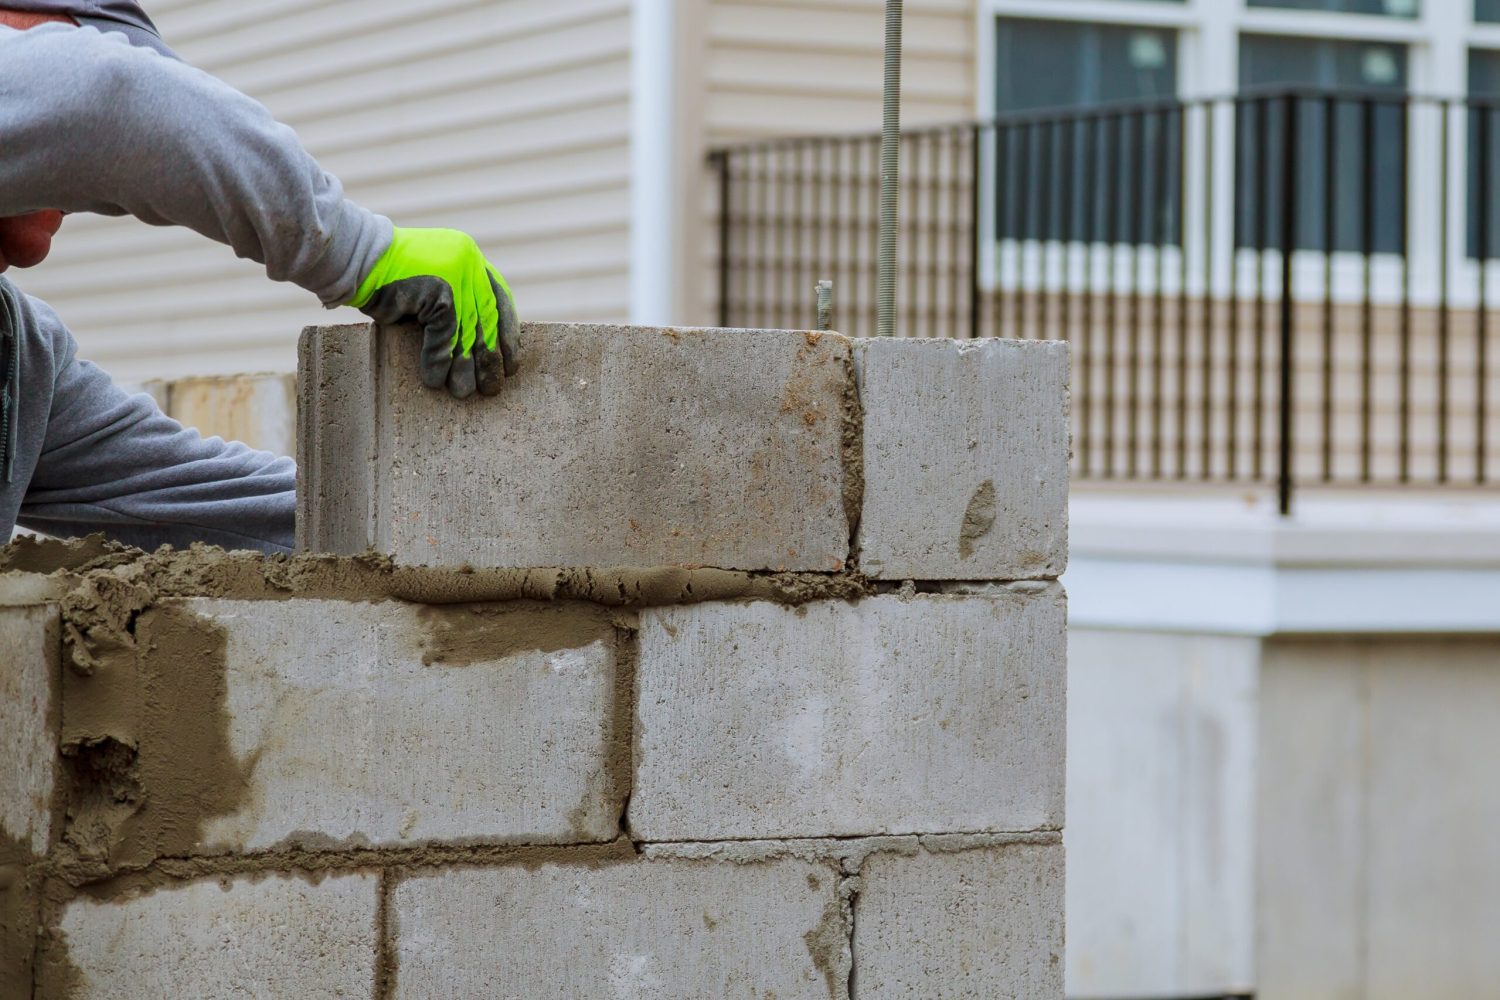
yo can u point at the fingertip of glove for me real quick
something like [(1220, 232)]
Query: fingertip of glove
[(461, 379), (490, 371)]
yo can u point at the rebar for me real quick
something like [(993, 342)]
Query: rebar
[(890, 171)]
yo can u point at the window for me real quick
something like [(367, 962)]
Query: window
[(1060, 64), (1389, 8), (1487, 10), (1362, 146), (1132, 164), (1484, 153)]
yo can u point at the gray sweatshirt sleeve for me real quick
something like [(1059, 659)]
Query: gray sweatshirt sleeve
[(95, 458), (92, 124)]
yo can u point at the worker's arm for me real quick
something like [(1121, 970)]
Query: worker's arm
[(91, 124), (112, 462)]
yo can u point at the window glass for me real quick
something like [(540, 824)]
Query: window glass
[(1487, 10), (1484, 153), (1109, 179), (1356, 135), (1389, 8), (1061, 64)]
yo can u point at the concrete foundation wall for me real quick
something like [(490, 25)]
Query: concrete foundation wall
[(704, 776), (1379, 863), (1299, 817)]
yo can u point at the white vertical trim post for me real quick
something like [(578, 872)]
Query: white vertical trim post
[(654, 209)]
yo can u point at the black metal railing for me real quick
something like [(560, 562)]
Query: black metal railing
[(1284, 288)]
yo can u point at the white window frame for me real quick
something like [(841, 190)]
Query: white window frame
[(1437, 41)]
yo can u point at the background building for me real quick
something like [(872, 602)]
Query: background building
[(1281, 727)]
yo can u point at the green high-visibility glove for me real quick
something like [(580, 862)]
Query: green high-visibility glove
[(440, 279)]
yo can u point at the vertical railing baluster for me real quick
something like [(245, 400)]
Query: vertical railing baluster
[(1286, 453), (976, 227), (954, 147), (1367, 329), (1025, 207), (1179, 192), (1481, 366), (721, 170), (1004, 227), (1445, 110), (1135, 197), (1210, 114), (1066, 141), (1262, 243), (1330, 238), (934, 231), (911, 207), (1403, 461), (1111, 368), (1045, 138), (1157, 232), (1232, 345), (763, 241), (1083, 360)]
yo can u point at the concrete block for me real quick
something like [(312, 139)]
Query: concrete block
[(278, 935), (29, 678), (668, 930), (972, 925), (389, 724), (260, 410), (928, 714), (965, 459), (614, 446)]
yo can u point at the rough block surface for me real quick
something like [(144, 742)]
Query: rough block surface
[(965, 459), (614, 446), (929, 714), (388, 724), (28, 727), (668, 930), (973, 925), (269, 936)]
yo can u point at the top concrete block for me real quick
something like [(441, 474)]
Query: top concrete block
[(965, 459), (624, 446)]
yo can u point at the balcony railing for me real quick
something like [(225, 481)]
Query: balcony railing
[(1286, 289)]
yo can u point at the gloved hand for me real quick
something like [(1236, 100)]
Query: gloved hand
[(439, 277)]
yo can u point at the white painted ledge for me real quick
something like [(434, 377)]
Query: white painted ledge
[(1376, 563)]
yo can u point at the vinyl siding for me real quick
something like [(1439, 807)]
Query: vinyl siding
[(815, 67), (506, 118), (791, 67)]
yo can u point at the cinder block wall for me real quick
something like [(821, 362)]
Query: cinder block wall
[(696, 664)]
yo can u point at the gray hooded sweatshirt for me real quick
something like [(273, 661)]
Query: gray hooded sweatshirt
[(91, 123)]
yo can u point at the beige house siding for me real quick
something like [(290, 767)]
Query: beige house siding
[(814, 66), (759, 69), (507, 118)]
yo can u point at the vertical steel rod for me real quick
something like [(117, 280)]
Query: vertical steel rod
[(890, 167)]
